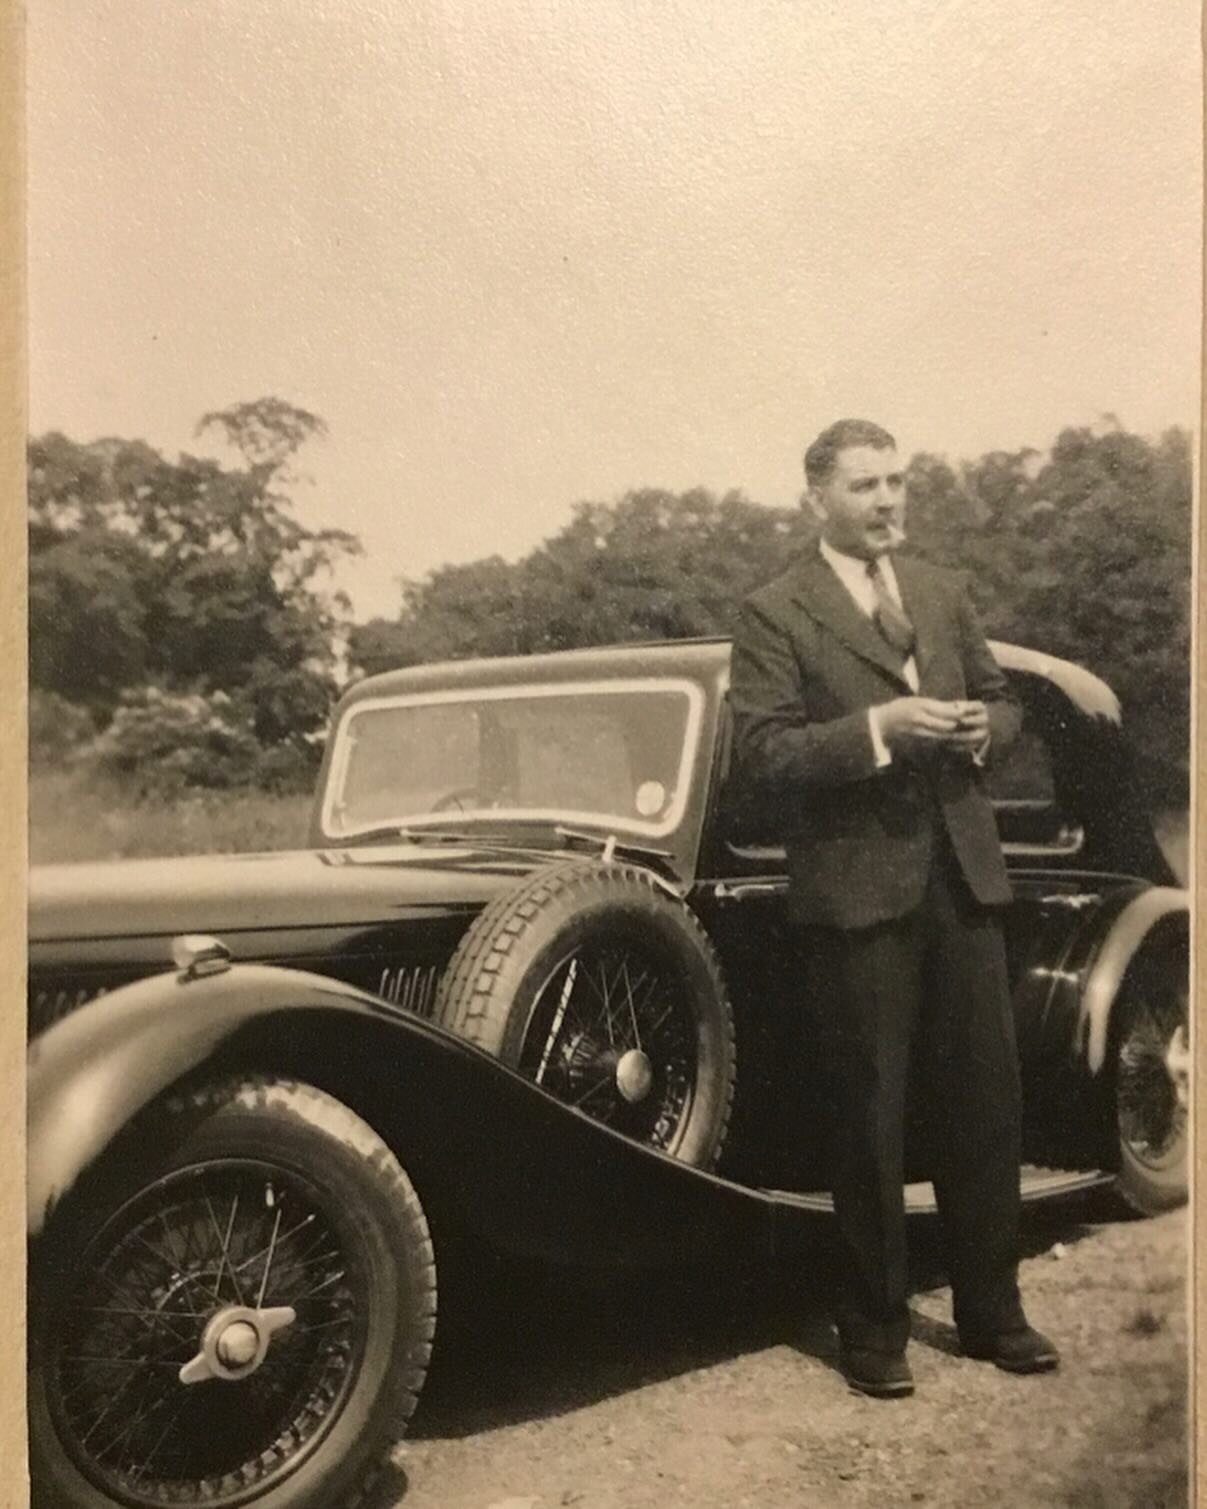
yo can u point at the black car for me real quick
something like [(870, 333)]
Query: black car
[(525, 988)]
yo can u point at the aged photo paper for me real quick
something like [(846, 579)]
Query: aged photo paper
[(486, 292), (12, 760)]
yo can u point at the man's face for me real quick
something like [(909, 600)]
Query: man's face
[(861, 505)]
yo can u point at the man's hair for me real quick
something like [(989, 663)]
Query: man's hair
[(842, 435)]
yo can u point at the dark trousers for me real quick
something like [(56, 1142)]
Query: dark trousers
[(928, 994)]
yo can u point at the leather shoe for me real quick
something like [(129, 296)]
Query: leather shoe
[(1023, 1350), (883, 1375)]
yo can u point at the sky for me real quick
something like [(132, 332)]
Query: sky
[(524, 253)]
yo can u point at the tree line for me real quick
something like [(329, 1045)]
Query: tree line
[(180, 628)]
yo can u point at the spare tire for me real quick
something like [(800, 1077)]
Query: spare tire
[(594, 981)]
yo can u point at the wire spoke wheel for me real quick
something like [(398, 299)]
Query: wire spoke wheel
[(1152, 1095), (599, 985), (203, 1241), (238, 1311), (612, 1032), (1153, 1078)]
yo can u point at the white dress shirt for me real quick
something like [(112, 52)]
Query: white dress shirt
[(852, 572)]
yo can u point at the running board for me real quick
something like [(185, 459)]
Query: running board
[(1034, 1184)]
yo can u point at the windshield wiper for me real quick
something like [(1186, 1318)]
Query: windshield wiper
[(404, 835), (474, 838), (611, 843)]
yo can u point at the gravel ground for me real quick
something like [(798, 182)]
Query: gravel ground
[(721, 1390)]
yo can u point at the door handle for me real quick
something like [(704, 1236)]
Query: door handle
[(740, 890)]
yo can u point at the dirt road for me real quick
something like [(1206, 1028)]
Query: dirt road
[(720, 1391)]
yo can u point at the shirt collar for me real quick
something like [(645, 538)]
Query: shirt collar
[(854, 568)]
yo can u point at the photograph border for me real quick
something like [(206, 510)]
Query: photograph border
[(13, 835)]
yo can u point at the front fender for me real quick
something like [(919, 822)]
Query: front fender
[(493, 1154), (1157, 907), (91, 1073)]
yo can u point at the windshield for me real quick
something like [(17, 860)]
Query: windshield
[(612, 754)]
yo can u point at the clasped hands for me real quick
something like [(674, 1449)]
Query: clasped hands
[(919, 723)]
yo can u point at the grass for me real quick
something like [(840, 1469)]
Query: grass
[(74, 816), (77, 816)]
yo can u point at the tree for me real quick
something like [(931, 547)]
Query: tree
[(653, 565), (1084, 553), (187, 574), (86, 617)]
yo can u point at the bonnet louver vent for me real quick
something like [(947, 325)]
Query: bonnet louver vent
[(46, 1006)]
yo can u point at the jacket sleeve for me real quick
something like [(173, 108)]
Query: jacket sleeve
[(986, 682), (776, 743)]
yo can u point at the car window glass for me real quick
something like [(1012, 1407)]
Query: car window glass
[(1024, 772), (620, 753), (578, 757), (1021, 784), (436, 746)]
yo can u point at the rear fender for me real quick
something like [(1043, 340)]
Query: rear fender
[(1155, 915), (91, 1073)]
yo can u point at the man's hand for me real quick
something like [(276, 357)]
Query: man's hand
[(972, 731), (925, 722), (915, 721)]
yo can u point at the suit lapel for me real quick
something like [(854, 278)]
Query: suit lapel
[(820, 593)]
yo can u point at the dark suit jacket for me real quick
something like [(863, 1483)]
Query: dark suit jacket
[(807, 664)]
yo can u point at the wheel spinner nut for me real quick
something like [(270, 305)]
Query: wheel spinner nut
[(238, 1344), (634, 1075), (235, 1342)]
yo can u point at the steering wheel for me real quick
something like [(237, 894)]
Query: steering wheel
[(458, 799)]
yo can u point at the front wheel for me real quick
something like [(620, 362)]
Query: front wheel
[(238, 1310), (1152, 1091)]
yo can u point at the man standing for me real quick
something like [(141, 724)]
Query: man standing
[(865, 702)]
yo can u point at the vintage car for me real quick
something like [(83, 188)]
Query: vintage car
[(528, 988)]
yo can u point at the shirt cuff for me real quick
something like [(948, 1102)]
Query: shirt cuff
[(881, 751)]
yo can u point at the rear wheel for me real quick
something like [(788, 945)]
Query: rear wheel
[(238, 1311), (599, 986), (1152, 1091)]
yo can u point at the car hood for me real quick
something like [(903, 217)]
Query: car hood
[(249, 892)]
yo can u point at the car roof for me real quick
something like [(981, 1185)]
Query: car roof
[(699, 659), (696, 659)]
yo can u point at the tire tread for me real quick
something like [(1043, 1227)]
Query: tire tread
[(471, 998)]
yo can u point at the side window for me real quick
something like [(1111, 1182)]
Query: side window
[(1023, 790), (1024, 774)]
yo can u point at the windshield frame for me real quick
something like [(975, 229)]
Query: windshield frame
[(517, 691)]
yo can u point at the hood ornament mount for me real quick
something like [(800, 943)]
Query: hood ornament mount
[(198, 954)]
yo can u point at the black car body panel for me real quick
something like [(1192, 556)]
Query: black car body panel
[(494, 1155), (374, 917)]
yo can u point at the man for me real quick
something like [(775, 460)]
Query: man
[(865, 702)]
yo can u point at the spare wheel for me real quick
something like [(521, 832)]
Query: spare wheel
[(596, 983)]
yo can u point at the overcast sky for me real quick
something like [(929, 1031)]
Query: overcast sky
[(526, 252)]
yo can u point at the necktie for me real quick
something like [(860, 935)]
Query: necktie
[(891, 620)]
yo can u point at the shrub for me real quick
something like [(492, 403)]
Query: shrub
[(58, 729), (163, 741)]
